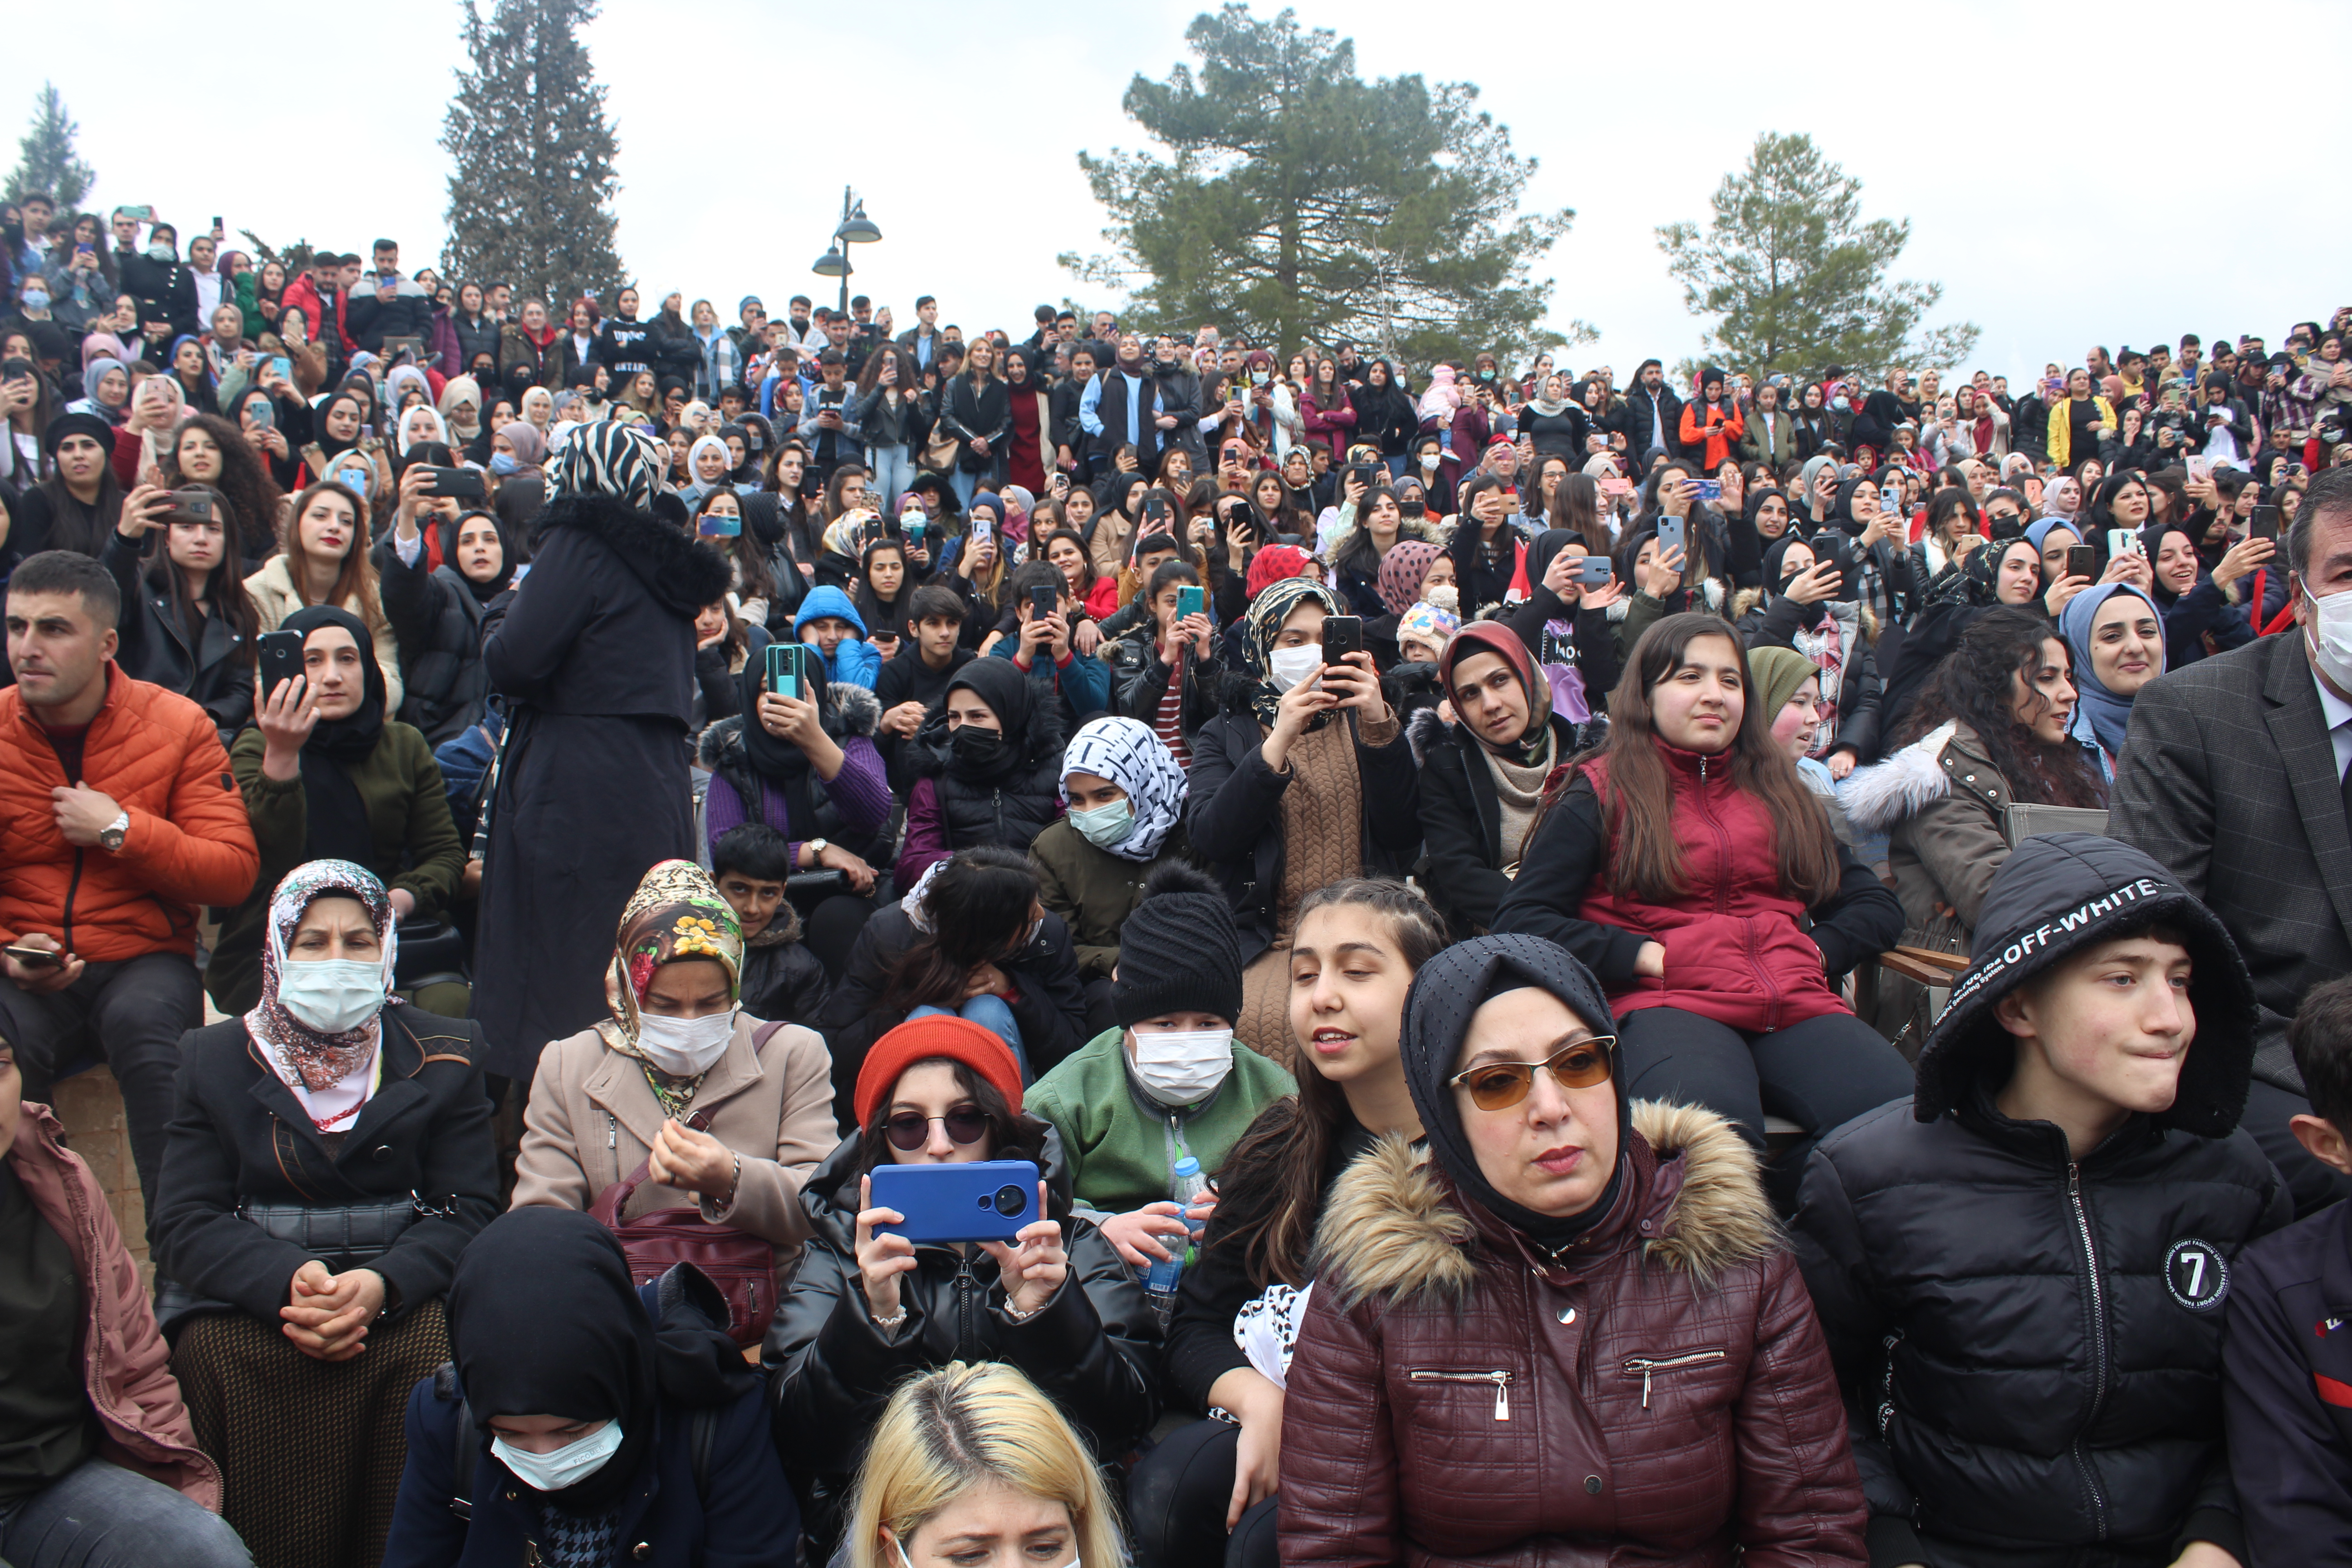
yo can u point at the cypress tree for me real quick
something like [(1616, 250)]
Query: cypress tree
[(47, 164)]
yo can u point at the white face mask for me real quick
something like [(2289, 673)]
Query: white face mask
[(2329, 637), (1287, 667), (576, 1461), (1181, 1066), (333, 996), (684, 1048)]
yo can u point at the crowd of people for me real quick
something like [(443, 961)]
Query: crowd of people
[(1751, 971)]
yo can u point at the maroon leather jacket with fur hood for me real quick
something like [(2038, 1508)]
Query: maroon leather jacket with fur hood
[(1661, 1396), (126, 1366)]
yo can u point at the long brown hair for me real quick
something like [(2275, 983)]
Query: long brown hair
[(1644, 859), (355, 586), (1271, 1183)]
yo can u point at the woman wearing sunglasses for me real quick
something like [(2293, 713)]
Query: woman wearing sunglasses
[(1691, 869), (1580, 1335), (867, 1310)]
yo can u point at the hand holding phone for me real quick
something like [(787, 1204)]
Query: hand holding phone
[(1342, 635)]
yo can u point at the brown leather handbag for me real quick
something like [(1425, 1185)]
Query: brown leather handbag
[(742, 1265)]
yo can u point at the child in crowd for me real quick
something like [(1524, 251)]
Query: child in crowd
[(780, 979), (2020, 1270), (1168, 1081), (829, 622), (2286, 1363), (909, 686), (1125, 793)]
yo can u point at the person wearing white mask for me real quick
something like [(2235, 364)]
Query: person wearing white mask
[(1312, 780), (1169, 1081), (330, 1157), (706, 1106)]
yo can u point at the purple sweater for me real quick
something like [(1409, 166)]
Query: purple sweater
[(860, 793)]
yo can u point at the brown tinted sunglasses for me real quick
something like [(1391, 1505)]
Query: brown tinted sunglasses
[(1498, 1086)]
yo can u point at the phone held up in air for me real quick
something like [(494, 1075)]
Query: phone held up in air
[(457, 484), (782, 674), (2123, 541), (1594, 572), (2263, 523), (2082, 561), (1190, 600), (1342, 635), (1670, 534), (1043, 602), (985, 1200), (280, 658)]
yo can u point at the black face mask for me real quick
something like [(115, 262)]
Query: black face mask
[(977, 750)]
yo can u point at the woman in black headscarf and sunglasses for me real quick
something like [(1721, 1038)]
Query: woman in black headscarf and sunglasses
[(1572, 1288)]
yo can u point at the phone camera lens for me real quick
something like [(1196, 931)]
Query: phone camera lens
[(1010, 1200)]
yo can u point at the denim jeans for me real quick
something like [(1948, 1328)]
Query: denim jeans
[(967, 484), (994, 1015), (892, 470), (100, 1515)]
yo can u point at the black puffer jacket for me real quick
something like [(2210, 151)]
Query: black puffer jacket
[(1093, 1347), (2030, 1345), (1010, 810), (1139, 682), (437, 623), (216, 673)]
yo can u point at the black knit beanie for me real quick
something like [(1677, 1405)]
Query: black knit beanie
[(1177, 952)]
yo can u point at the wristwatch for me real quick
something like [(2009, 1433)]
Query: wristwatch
[(817, 848), (111, 837)]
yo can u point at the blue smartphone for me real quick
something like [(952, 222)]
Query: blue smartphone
[(985, 1200), (718, 525), (783, 668), (1670, 534), (1710, 490), (1189, 601)]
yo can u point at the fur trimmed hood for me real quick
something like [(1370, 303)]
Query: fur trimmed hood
[(679, 573), (1878, 797), (849, 710), (1394, 1233)]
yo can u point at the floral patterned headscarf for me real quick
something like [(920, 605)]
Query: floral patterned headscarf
[(311, 1063), (1262, 623), (677, 913)]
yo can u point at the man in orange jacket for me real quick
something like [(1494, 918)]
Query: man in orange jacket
[(119, 817)]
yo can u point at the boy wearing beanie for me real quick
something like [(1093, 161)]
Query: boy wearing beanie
[(2286, 1366), (1170, 1080), (2021, 1270)]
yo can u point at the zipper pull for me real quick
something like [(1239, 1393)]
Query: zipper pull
[(1503, 1396), (2074, 1179), (1645, 1385)]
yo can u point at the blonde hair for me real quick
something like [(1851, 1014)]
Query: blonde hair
[(973, 1424)]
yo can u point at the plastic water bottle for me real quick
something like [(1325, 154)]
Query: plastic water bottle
[(1160, 1279)]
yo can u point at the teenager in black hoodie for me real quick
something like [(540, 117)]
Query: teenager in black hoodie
[(913, 682)]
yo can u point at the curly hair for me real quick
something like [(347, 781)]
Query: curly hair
[(1979, 685)]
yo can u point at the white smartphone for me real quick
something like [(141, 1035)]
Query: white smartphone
[(2125, 542)]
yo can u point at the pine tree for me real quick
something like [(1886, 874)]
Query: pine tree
[(1796, 281), (1305, 205), (46, 163), (531, 190)]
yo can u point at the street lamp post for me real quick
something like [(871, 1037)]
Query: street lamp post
[(855, 229)]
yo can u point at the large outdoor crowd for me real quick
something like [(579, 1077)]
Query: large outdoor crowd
[(1734, 967)]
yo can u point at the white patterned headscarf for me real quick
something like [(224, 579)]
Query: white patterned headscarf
[(618, 460), (1126, 752)]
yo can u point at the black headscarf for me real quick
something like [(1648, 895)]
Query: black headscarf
[(545, 1321), (328, 445), (483, 591), (1014, 700), (1549, 543), (1776, 577), (1445, 993), (774, 759), (338, 827)]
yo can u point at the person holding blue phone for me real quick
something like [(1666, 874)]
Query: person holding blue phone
[(869, 1307)]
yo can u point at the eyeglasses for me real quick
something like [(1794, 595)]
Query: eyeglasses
[(1498, 1086), (911, 1130)]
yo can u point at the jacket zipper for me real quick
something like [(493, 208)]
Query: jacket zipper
[(2098, 1342), (1000, 816), (73, 887), (1648, 1365), (1723, 903), (965, 1284), (1499, 1377)]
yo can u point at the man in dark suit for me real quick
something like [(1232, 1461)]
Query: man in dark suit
[(2233, 775)]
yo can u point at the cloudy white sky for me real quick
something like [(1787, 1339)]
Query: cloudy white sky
[(2053, 216)]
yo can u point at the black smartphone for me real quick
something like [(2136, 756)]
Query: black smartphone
[(34, 957), (1155, 509), (2083, 561), (459, 484), (1043, 602), (871, 533), (280, 656), (2263, 523), (1342, 635)]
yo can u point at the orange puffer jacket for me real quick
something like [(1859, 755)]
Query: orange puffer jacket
[(189, 843)]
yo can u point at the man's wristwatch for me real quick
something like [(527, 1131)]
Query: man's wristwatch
[(817, 848), (111, 837)]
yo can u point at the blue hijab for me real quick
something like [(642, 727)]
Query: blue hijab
[(2039, 532), (2100, 716)]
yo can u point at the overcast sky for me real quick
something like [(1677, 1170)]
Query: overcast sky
[(2053, 218)]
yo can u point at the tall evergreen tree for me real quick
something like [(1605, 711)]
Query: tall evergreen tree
[(47, 161), (532, 186), (1796, 281), (1305, 205)]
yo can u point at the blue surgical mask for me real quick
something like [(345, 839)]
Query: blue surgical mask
[(36, 298), (503, 463), (572, 1463), (332, 996), (1106, 825)]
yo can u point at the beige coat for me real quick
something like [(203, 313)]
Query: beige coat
[(593, 1117), (271, 589)]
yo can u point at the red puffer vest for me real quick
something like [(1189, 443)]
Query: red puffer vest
[(1736, 950)]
